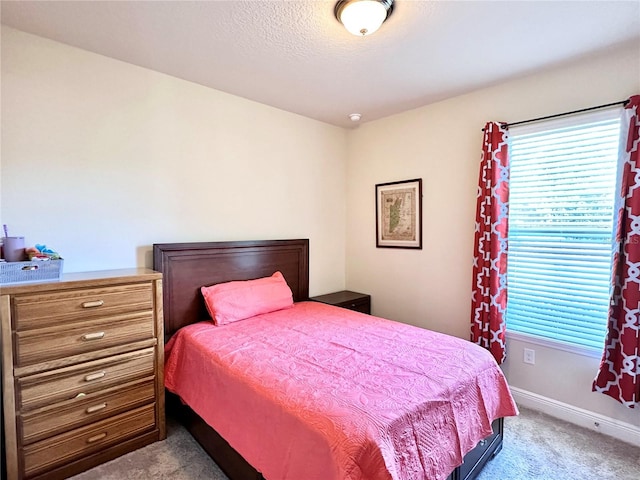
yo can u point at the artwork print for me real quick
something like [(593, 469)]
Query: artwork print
[(399, 214)]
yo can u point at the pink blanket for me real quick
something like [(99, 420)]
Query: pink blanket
[(317, 392)]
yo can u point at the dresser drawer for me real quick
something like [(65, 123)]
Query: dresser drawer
[(61, 417), (66, 383), (61, 449), (41, 310), (60, 341)]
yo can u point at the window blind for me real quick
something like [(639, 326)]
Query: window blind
[(562, 184)]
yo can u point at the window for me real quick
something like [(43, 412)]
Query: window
[(562, 184)]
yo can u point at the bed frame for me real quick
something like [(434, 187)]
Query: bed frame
[(186, 267)]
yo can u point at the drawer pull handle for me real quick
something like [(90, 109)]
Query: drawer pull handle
[(80, 395), (93, 336), (97, 303), (94, 376), (95, 438), (96, 408)]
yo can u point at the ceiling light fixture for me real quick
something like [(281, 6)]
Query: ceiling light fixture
[(363, 17)]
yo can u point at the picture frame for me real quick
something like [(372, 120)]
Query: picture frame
[(399, 214)]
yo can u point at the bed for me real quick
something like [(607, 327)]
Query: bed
[(186, 267)]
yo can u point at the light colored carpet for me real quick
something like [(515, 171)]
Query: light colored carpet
[(536, 446)]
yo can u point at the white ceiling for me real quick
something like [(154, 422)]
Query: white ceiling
[(294, 55)]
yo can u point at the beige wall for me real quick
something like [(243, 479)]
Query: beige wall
[(440, 143), (101, 159)]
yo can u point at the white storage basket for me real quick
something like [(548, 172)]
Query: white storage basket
[(32, 271)]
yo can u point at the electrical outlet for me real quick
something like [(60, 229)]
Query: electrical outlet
[(529, 356)]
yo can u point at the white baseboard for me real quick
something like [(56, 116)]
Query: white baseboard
[(578, 416)]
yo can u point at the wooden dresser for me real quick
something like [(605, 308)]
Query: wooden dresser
[(82, 370)]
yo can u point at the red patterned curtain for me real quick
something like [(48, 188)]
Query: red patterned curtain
[(489, 291), (619, 373)]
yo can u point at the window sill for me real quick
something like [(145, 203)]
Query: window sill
[(555, 344)]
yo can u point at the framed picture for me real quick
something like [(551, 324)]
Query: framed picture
[(399, 214)]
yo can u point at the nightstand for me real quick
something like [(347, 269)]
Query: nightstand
[(359, 302)]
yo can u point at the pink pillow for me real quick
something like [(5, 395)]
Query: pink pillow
[(232, 301)]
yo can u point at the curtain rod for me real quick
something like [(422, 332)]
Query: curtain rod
[(522, 122)]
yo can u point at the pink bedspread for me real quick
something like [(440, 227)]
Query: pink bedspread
[(317, 392)]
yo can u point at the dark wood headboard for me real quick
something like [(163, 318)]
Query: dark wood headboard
[(186, 267)]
